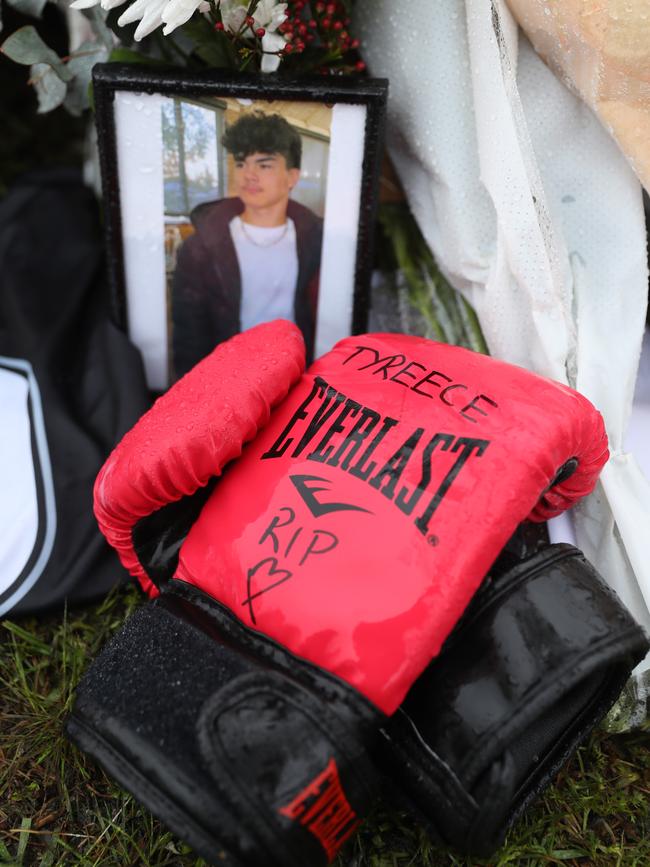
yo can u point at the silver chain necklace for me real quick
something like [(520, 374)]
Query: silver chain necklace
[(268, 243)]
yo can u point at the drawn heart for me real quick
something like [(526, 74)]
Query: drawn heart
[(271, 572)]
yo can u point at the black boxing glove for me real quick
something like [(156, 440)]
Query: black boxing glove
[(325, 569), (539, 657)]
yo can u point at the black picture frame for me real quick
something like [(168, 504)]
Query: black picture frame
[(130, 85)]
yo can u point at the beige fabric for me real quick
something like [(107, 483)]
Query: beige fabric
[(601, 49)]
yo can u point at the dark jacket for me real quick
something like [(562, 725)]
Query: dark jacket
[(206, 288)]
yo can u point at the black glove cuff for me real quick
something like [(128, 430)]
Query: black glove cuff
[(247, 763), (536, 661)]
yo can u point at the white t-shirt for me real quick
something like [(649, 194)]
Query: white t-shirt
[(268, 264)]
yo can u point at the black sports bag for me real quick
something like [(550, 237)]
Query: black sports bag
[(70, 385)]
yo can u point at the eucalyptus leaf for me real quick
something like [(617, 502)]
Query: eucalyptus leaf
[(97, 18), (81, 64), (28, 7), (50, 90), (26, 46)]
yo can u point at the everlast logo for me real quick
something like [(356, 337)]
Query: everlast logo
[(347, 435), (323, 808)]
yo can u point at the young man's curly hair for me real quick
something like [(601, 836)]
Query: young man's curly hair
[(261, 133)]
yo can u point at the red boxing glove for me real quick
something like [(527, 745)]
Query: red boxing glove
[(326, 568), (194, 430), (357, 525)]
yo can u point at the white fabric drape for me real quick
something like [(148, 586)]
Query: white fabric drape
[(534, 214)]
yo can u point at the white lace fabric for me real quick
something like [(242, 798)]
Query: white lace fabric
[(533, 212)]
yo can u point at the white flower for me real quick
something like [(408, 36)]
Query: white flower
[(151, 14), (233, 13), (147, 12), (269, 15), (177, 12), (105, 4), (271, 44)]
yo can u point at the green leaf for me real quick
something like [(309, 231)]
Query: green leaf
[(211, 46), (50, 90), (128, 55), (28, 7), (26, 46), (48, 859), (23, 839), (81, 64), (32, 641)]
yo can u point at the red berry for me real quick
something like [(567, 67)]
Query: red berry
[(338, 25), (312, 24), (355, 43), (260, 32), (288, 48), (249, 20), (309, 37), (219, 26), (302, 29), (330, 8), (326, 23), (320, 8), (360, 66)]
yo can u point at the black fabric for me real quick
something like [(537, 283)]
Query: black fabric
[(226, 746), (540, 655), (158, 537), (85, 380)]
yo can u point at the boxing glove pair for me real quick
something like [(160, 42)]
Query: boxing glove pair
[(311, 540)]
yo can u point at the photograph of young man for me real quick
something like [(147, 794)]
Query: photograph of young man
[(254, 256)]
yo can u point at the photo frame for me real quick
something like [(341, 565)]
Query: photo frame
[(212, 226)]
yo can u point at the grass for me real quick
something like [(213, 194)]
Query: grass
[(57, 808)]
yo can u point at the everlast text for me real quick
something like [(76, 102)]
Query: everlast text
[(347, 435)]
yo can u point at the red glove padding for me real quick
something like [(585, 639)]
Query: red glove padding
[(357, 525), (194, 430)]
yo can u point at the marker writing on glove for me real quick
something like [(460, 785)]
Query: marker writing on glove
[(402, 373), (318, 542)]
